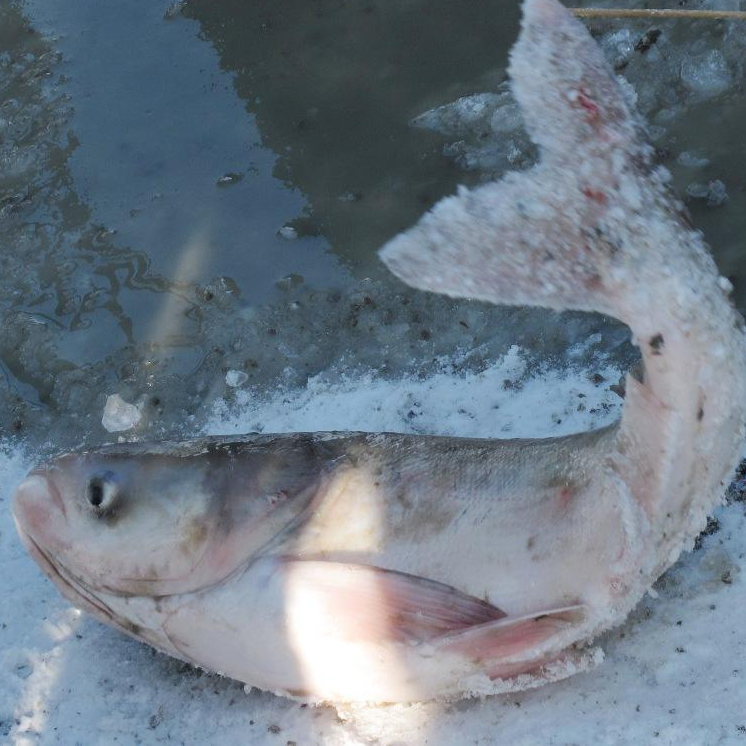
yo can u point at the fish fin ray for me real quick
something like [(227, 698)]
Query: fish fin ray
[(519, 241), (516, 645), (363, 601)]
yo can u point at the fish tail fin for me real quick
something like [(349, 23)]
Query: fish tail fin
[(538, 237)]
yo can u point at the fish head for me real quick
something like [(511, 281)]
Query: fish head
[(121, 524), (157, 519)]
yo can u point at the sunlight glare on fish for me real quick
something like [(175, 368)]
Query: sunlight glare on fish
[(351, 522)]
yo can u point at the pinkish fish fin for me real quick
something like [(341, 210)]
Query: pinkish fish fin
[(367, 602), (540, 237), (515, 645), (570, 98), (517, 242)]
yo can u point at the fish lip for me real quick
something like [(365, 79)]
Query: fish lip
[(51, 486), (79, 594)]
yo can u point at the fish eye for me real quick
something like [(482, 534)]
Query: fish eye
[(102, 491)]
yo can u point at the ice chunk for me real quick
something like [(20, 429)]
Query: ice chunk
[(229, 179), (236, 378), (506, 118), (618, 47), (691, 160), (706, 75), (714, 192), (288, 233), (119, 415), (467, 115)]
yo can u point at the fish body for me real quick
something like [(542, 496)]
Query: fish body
[(386, 567)]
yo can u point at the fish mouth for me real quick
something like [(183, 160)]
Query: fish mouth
[(72, 588), (41, 474)]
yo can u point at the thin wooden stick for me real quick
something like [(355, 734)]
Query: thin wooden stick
[(658, 13)]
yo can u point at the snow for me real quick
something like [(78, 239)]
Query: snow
[(674, 672)]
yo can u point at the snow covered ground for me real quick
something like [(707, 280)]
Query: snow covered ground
[(674, 673)]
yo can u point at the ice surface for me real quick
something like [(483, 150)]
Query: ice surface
[(671, 675)]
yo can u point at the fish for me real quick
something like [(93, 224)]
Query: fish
[(383, 567)]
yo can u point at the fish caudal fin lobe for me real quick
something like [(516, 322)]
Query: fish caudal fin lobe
[(538, 238), (595, 226)]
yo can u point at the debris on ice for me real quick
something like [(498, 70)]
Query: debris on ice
[(119, 415), (236, 378)]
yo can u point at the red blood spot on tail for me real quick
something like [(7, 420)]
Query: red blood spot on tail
[(593, 113), (565, 495), (596, 195)]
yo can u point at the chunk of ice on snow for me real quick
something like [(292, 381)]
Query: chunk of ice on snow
[(236, 378), (119, 415), (714, 192), (707, 74)]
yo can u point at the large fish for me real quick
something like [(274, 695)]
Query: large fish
[(384, 567)]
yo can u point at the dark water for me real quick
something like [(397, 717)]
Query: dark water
[(187, 189)]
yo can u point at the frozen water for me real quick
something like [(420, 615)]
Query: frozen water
[(119, 415), (707, 75), (714, 193)]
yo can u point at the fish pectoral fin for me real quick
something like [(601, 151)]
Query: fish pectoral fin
[(515, 645), (364, 602)]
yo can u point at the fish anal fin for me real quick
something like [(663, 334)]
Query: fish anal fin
[(515, 645), (363, 602)]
